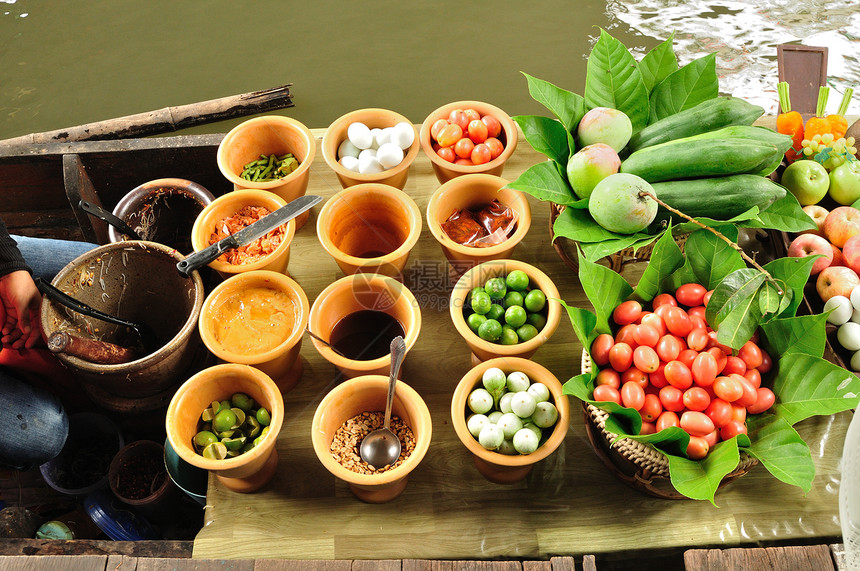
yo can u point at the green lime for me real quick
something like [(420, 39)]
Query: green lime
[(517, 280), (475, 320), (513, 298), (476, 290), (526, 332), (263, 417), (509, 336), (481, 302), (515, 316), (234, 443), (496, 288), (535, 300), (490, 330), (241, 401), (224, 420), (536, 319), (204, 438), (496, 312), (215, 451)]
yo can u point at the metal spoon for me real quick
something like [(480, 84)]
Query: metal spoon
[(382, 447), (109, 217)]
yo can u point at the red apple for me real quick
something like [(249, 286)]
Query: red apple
[(836, 280), (851, 252), (842, 223), (818, 214), (838, 257), (812, 245)]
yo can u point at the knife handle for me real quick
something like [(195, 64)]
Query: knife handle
[(199, 259)]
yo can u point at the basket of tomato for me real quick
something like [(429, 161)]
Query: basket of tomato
[(701, 371)]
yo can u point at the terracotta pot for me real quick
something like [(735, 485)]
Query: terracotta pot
[(368, 394), (474, 191), (244, 473), (445, 170), (373, 118), (137, 281), (228, 205), (139, 478), (355, 293), (281, 362), (494, 466), (266, 135), (370, 228), (163, 211), (483, 350)]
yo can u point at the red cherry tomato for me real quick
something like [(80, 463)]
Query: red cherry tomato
[(477, 131), (635, 375), (668, 348), (728, 388), (678, 375), (690, 294), (707, 297), (464, 162), (667, 419), (446, 154), (678, 322), (713, 437), (732, 429), (627, 312), (696, 398), (657, 378), (494, 128), (480, 154), (663, 299), (449, 135), (632, 395), (645, 359), (654, 321), (472, 115), (704, 369), (754, 377), (697, 339), (749, 396), (646, 335), (661, 310), (609, 377), (625, 335), (672, 398), (698, 322), (458, 117), (719, 411), (698, 448), (688, 356), (719, 356), (751, 355), (647, 428), (621, 357), (714, 343), (463, 148), (437, 127), (600, 349), (734, 365), (739, 412), (765, 400), (766, 362), (651, 408), (606, 393), (696, 423), (495, 145)]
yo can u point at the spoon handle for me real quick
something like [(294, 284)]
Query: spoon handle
[(398, 351)]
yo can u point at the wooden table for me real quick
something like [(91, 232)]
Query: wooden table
[(570, 504)]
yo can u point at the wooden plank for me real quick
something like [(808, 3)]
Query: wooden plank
[(53, 562), (565, 563), (121, 563), (300, 565), (80, 187), (161, 563), (379, 565), (805, 70), (796, 557), (588, 563), (537, 566), (427, 565)]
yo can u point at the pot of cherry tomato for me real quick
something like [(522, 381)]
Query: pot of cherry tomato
[(467, 137)]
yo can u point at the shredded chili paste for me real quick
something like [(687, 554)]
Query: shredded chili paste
[(256, 250)]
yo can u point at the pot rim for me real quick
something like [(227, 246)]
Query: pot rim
[(413, 213)]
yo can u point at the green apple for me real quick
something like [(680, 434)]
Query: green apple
[(845, 182), (807, 180)]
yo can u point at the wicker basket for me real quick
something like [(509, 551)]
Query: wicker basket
[(637, 464), (566, 248)]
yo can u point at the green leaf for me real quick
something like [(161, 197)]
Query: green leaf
[(834, 389), (733, 309), (666, 258), (583, 322), (613, 80), (596, 250), (710, 258), (794, 273), (784, 214), (544, 183), (685, 88), (781, 450), (770, 298), (806, 334), (699, 479), (671, 441), (577, 224), (658, 63), (579, 386), (546, 136), (569, 107), (604, 288)]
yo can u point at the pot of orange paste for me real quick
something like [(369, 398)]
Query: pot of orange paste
[(258, 318)]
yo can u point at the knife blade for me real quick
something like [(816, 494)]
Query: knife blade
[(248, 234)]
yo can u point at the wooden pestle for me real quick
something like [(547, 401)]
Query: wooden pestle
[(92, 350)]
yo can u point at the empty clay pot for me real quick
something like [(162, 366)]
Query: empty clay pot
[(264, 136), (251, 470), (368, 394), (233, 309), (374, 118), (494, 466), (370, 228)]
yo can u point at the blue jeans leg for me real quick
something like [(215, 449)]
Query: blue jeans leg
[(35, 424), (47, 256)]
